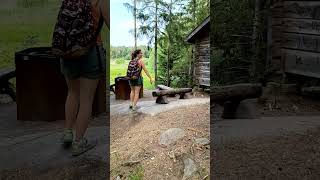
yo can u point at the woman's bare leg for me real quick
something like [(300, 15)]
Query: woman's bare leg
[(131, 95), (72, 102), (136, 95), (87, 92)]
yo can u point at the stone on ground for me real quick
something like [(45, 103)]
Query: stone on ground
[(202, 141), (189, 168), (170, 136)]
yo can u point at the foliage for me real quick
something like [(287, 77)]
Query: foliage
[(125, 52), (236, 55), (137, 174), (176, 19)]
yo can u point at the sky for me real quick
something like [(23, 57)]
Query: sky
[(121, 22)]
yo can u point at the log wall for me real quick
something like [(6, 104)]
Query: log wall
[(201, 72), (295, 37)]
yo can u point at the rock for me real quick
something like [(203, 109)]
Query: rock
[(170, 136), (202, 141), (118, 178), (189, 168), (313, 91), (5, 99)]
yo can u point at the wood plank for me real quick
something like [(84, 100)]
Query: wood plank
[(301, 42), (203, 68), (302, 63), (305, 26), (204, 81), (301, 9), (204, 74), (276, 50)]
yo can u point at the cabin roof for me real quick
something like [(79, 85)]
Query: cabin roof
[(198, 30)]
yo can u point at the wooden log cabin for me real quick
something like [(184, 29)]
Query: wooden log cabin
[(200, 38), (294, 37)]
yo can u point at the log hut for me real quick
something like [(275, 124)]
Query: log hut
[(200, 38), (294, 38)]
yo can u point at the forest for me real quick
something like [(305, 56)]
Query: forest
[(166, 23), (238, 41)]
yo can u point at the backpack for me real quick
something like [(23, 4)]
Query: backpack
[(74, 33), (134, 70)]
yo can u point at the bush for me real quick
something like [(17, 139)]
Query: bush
[(120, 61)]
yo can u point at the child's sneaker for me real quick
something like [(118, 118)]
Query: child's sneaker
[(67, 138), (82, 146)]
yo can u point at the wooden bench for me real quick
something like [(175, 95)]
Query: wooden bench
[(112, 87), (5, 86), (163, 91), (231, 96)]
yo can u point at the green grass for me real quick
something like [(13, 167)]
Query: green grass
[(25, 27), (121, 70), (137, 174)]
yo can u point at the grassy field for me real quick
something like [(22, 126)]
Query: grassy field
[(120, 69), (25, 26)]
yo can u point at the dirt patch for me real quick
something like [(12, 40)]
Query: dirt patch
[(79, 170), (287, 105), (290, 156), (135, 151)]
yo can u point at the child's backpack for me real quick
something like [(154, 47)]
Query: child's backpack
[(74, 33), (134, 70)]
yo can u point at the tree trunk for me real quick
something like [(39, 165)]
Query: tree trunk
[(162, 87), (156, 45), (255, 34), (194, 9), (236, 92), (170, 92), (168, 62), (169, 44), (135, 24)]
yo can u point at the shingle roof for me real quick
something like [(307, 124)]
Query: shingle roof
[(205, 24)]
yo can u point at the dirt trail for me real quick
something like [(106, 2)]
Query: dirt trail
[(279, 142), (135, 139)]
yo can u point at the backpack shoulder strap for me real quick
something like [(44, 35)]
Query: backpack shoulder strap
[(100, 25)]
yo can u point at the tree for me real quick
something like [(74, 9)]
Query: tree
[(133, 8), (167, 23)]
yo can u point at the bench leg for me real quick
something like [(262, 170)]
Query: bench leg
[(230, 109), (8, 89), (162, 100), (183, 96)]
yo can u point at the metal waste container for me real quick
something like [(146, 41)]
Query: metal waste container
[(122, 88), (41, 88)]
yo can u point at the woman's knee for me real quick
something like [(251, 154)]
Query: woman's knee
[(137, 90)]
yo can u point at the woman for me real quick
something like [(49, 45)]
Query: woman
[(136, 84), (82, 77)]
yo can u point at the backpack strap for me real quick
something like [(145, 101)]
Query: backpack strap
[(100, 25)]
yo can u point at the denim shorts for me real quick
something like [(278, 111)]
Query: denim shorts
[(136, 82), (89, 66)]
